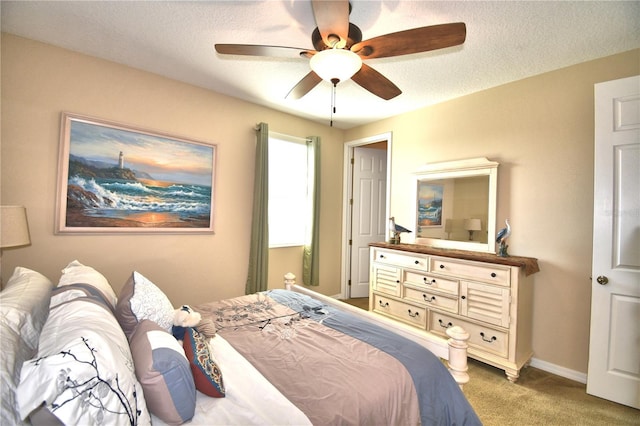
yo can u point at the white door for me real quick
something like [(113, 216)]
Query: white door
[(368, 213), (614, 347)]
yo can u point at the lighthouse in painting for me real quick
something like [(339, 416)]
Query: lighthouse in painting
[(121, 160)]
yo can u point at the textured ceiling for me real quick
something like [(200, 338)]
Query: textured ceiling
[(506, 41)]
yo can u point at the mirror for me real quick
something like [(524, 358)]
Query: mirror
[(455, 204)]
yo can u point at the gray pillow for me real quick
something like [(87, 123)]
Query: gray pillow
[(164, 373)]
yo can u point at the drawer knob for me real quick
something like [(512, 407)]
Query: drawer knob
[(382, 256), (463, 297), (441, 266), (443, 325), (428, 299), (493, 338), (493, 275), (413, 314), (383, 304), (417, 262)]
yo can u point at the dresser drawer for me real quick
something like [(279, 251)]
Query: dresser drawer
[(402, 311), (481, 337), (430, 282), (477, 271), (431, 300), (386, 279), (400, 258)]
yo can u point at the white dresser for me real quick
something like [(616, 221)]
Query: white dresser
[(433, 289)]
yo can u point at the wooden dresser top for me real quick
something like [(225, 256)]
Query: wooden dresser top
[(528, 264)]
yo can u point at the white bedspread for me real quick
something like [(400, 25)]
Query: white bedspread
[(250, 398)]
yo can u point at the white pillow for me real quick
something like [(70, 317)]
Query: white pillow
[(77, 273), (24, 304), (83, 371), (14, 353)]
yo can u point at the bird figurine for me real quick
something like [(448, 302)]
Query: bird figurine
[(501, 239), (396, 230)]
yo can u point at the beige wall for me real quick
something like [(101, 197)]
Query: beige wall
[(541, 131), (40, 81)]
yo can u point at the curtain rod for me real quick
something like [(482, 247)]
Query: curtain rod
[(288, 137)]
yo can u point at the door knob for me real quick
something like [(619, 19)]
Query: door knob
[(602, 280)]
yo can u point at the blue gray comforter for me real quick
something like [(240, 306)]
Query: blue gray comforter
[(441, 401), (336, 367)]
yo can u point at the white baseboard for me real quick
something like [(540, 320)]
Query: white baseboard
[(559, 371)]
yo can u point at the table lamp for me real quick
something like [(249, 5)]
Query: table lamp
[(14, 230), (472, 225)]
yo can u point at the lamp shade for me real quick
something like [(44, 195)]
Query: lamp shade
[(472, 224), (14, 230), (335, 64)]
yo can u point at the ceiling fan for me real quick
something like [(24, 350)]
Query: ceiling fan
[(339, 49)]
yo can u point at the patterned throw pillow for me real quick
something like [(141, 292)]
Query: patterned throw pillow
[(206, 373), (141, 299)]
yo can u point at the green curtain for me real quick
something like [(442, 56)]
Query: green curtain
[(311, 253), (257, 276)]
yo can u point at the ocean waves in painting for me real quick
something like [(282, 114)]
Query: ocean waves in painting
[(117, 198)]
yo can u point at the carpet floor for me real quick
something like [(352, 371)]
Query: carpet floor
[(537, 398)]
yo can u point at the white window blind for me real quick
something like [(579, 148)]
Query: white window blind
[(288, 190)]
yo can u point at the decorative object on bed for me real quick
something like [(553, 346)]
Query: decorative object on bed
[(141, 299), (501, 239), (83, 372), (183, 318), (436, 289), (207, 328), (24, 309), (206, 373), (164, 373), (118, 178)]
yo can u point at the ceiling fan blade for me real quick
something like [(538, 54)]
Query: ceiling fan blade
[(417, 40), (258, 50), (304, 86), (376, 83), (332, 18)]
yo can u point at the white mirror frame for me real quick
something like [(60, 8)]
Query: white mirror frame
[(456, 169)]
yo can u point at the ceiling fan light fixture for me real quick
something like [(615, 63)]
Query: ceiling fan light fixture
[(335, 64)]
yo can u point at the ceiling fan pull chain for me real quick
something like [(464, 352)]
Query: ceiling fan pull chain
[(333, 101)]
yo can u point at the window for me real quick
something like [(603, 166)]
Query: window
[(288, 190)]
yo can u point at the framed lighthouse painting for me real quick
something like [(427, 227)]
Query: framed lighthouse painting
[(115, 178)]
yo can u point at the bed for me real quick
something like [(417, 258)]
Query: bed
[(82, 355)]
